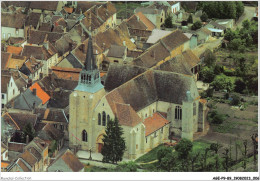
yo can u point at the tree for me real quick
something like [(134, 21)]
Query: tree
[(168, 162), (193, 158), (196, 25), (114, 144), (28, 130), (235, 44), (204, 17), (209, 58), (183, 149), (207, 74), (235, 100), (190, 19), (168, 22), (162, 152), (223, 82), (240, 85), (239, 8)]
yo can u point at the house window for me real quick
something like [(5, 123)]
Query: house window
[(161, 20), (3, 96), (115, 61), (146, 115), (4, 35), (17, 31), (84, 136), (108, 117), (13, 92), (136, 146), (162, 130), (99, 119), (153, 110), (11, 84), (3, 106), (9, 35), (178, 113), (155, 134), (104, 119), (62, 127), (194, 109)]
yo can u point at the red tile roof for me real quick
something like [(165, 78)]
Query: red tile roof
[(40, 93), (66, 73), (68, 9), (14, 50), (154, 123)]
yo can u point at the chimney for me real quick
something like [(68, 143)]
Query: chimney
[(34, 91)]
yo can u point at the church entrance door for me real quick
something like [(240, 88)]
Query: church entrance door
[(100, 146)]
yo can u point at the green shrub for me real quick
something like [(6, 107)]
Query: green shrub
[(235, 100), (215, 118)]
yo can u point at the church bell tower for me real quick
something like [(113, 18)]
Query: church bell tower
[(83, 101)]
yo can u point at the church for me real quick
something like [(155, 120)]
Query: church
[(152, 106)]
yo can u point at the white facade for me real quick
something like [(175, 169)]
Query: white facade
[(12, 90), (8, 32), (176, 7), (4, 100)]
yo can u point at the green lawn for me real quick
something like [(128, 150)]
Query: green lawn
[(150, 156)]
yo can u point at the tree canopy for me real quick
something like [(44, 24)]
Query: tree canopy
[(196, 25), (114, 143)]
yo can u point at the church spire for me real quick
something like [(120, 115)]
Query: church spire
[(90, 63), (89, 78)]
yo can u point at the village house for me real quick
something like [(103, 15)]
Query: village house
[(193, 39), (175, 110), (12, 25), (203, 35), (34, 20), (156, 16), (33, 69), (66, 162), (117, 54), (215, 28), (46, 7), (45, 53)]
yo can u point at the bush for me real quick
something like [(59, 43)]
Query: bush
[(127, 167), (218, 69), (204, 17), (207, 74), (215, 118), (190, 19), (196, 25), (240, 86), (222, 82), (235, 100), (229, 72), (162, 152)]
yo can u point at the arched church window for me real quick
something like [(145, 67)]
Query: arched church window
[(89, 78), (84, 136), (194, 109), (104, 119), (178, 113), (108, 117), (99, 119)]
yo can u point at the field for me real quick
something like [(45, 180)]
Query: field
[(126, 9)]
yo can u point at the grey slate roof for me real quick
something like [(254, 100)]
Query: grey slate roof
[(74, 61), (25, 100)]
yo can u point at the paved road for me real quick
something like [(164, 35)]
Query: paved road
[(248, 14)]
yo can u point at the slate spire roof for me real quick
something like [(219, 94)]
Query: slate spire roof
[(90, 63)]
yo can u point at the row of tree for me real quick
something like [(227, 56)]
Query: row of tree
[(222, 9), (241, 39), (207, 159)]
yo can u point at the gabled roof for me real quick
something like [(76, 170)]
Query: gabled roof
[(52, 115), (70, 160), (38, 52), (155, 122), (26, 100), (49, 133), (66, 73), (86, 5), (139, 21), (116, 51), (14, 50), (15, 63), (13, 20), (44, 5), (20, 120), (175, 39), (119, 74), (33, 65), (5, 58), (5, 79), (16, 40), (204, 30), (126, 115), (21, 163), (38, 37), (191, 58), (35, 153), (156, 35), (29, 158), (33, 19), (16, 147), (40, 93)]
